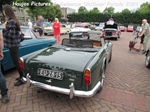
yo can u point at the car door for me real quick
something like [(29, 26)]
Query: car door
[(106, 46)]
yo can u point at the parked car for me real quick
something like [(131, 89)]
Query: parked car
[(47, 27), (30, 44), (79, 71), (147, 60), (130, 28), (122, 28), (100, 26), (81, 29), (111, 30), (64, 29)]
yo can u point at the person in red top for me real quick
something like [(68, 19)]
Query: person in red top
[(56, 29)]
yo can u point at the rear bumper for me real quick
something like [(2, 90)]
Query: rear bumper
[(110, 37), (71, 92)]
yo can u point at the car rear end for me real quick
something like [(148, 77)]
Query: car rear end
[(110, 33), (61, 71)]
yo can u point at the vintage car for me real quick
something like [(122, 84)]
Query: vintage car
[(100, 27), (147, 60), (130, 28), (31, 44), (81, 29), (111, 30), (122, 28), (76, 67), (64, 29)]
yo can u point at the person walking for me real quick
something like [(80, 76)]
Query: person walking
[(30, 24), (12, 39), (39, 25), (142, 38), (56, 30), (3, 89), (146, 33)]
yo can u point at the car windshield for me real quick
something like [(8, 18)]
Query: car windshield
[(121, 26), (28, 34), (130, 26)]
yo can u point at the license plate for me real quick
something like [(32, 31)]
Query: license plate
[(50, 74)]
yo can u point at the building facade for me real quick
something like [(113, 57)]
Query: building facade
[(65, 11)]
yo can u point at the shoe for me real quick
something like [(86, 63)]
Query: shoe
[(5, 99), (19, 83), (18, 78)]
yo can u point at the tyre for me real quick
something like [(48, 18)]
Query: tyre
[(102, 80), (110, 56), (147, 60)]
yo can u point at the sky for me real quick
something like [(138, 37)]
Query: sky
[(119, 5)]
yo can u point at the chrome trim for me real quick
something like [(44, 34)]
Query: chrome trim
[(71, 92)]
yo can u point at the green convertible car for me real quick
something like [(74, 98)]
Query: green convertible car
[(76, 67)]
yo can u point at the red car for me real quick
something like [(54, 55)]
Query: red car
[(130, 29), (122, 28)]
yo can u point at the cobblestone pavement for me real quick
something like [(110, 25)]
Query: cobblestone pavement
[(126, 88)]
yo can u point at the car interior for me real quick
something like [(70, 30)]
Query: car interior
[(78, 43)]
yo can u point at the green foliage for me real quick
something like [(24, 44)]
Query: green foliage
[(124, 17), (144, 8), (3, 2), (82, 9), (33, 9), (94, 10), (109, 10)]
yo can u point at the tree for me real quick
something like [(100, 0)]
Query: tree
[(47, 11), (95, 10), (126, 11), (109, 10), (144, 8), (82, 9), (3, 2)]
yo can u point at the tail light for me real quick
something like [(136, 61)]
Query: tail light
[(21, 64), (87, 77)]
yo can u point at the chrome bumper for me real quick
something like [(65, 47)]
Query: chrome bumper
[(71, 92)]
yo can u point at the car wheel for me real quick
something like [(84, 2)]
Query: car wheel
[(45, 33), (102, 80), (147, 60)]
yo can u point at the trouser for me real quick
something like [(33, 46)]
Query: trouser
[(40, 32), (3, 87), (146, 39), (14, 53)]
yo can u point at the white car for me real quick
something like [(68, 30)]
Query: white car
[(81, 29), (100, 26)]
